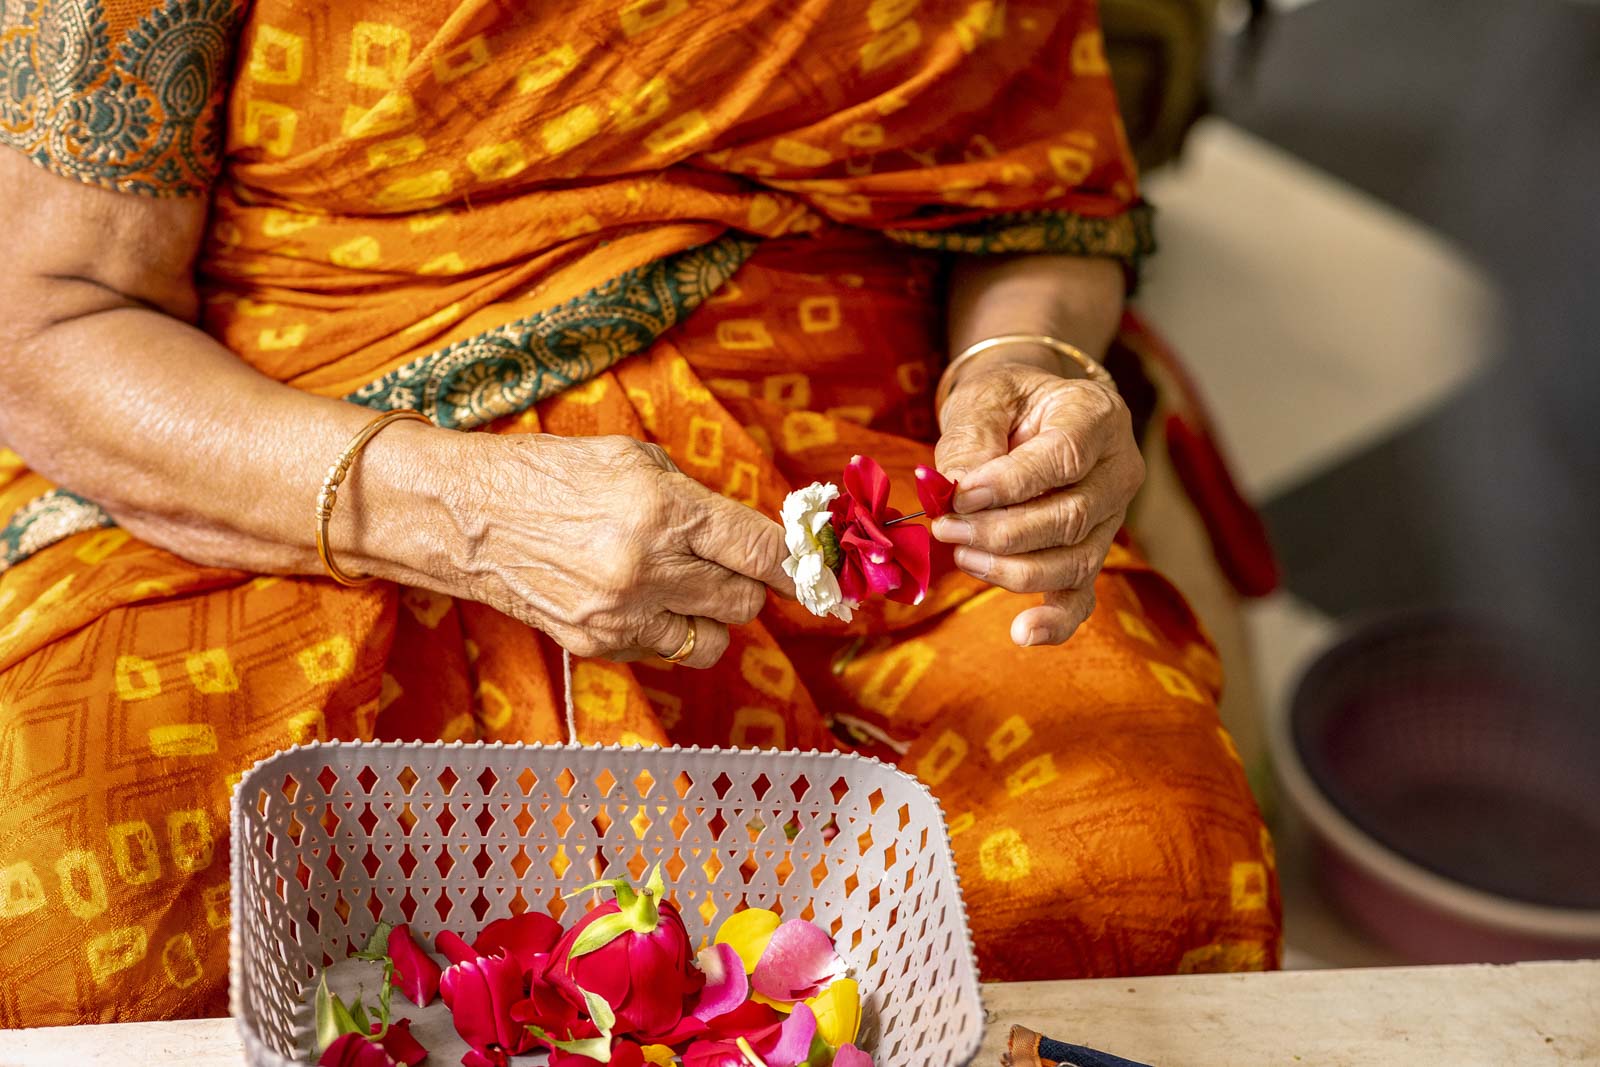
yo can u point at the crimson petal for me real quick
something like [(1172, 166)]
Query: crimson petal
[(852, 583), (401, 1046), (416, 974), (354, 1050), (523, 937), (481, 994), (454, 948), (751, 1017), (913, 551), (867, 484), (934, 491)]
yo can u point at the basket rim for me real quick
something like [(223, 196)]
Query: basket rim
[(236, 854)]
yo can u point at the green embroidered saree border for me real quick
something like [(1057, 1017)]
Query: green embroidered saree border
[(1128, 237), (498, 372)]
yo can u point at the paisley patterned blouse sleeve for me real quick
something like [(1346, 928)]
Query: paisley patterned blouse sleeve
[(125, 94)]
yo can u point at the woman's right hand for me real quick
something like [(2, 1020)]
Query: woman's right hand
[(601, 543)]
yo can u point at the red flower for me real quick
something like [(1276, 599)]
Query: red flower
[(481, 993), (548, 1007), (935, 491), (642, 972), (894, 562), (415, 972), (354, 1050), (526, 938)]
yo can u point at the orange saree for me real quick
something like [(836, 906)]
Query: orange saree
[(719, 228)]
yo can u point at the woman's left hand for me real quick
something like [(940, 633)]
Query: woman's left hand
[(1045, 468)]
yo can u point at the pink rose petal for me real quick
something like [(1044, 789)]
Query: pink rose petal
[(798, 962), (726, 983), (793, 1040), (850, 1056)]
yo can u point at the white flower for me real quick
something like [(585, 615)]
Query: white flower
[(805, 516)]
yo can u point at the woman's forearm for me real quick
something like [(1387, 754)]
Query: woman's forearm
[(108, 389), (192, 450), (1077, 299)]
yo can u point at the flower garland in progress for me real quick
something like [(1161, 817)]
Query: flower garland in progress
[(860, 547), (621, 987)]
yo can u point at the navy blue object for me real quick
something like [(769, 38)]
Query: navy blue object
[(1078, 1056)]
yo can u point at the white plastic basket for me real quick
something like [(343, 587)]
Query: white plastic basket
[(329, 838)]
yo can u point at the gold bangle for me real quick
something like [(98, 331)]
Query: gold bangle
[(329, 496), (1091, 368)]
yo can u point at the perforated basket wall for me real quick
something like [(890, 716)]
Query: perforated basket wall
[(330, 838)]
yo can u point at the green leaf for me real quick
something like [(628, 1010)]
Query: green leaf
[(655, 886), (377, 946), (641, 912), (358, 1015), (327, 1023), (599, 934), (384, 993), (830, 548), (599, 1011), (333, 1018), (596, 1048), (820, 1054), (613, 884)]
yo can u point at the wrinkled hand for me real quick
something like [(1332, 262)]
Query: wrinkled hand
[(1046, 467), (603, 544)]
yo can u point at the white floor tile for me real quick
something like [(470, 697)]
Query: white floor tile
[(1314, 318)]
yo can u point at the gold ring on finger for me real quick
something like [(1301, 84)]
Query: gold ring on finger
[(686, 649)]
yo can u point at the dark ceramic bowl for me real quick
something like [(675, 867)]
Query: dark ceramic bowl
[(1454, 800)]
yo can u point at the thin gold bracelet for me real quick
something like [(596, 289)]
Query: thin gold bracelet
[(329, 496), (1091, 368)]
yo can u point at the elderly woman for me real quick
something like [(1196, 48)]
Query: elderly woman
[(667, 262)]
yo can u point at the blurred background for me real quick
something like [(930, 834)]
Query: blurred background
[(1380, 270)]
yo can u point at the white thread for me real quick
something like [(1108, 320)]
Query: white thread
[(572, 711)]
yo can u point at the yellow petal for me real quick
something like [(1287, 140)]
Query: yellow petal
[(785, 1006), (838, 1012), (659, 1054), (748, 932)]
